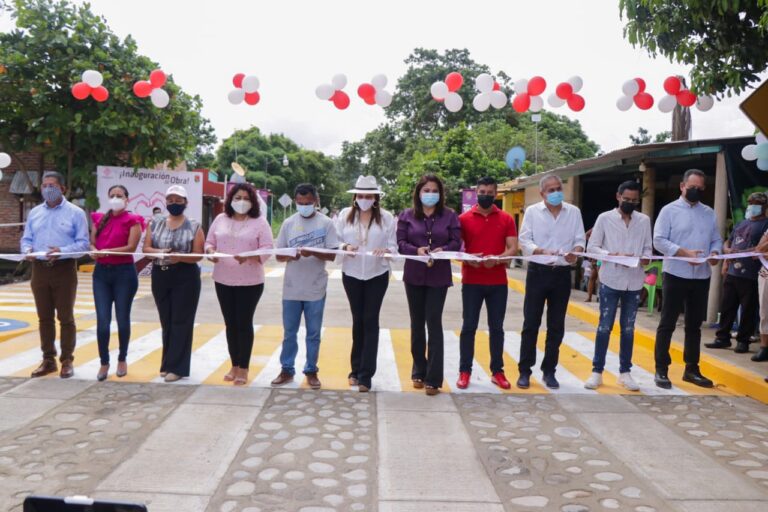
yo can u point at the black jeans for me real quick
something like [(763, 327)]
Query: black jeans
[(550, 285), (738, 291), (238, 304), (680, 293), (472, 298), (176, 291), (365, 299), (425, 304)]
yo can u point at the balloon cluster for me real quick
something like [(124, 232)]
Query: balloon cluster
[(333, 91), (679, 95), (490, 95), (153, 89), (528, 94), (757, 151), (445, 91), (634, 93), (90, 86), (373, 93), (246, 89), (5, 161), (566, 92)]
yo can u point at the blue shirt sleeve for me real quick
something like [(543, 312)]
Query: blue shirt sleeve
[(81, 242)]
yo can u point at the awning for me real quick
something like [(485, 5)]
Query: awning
[(20, 184)]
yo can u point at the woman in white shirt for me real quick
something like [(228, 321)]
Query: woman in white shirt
[(365, 228)]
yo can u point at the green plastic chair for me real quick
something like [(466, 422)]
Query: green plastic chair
[(651, 289)]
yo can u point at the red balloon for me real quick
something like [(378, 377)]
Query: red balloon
[(641, 83), (576, 103), (370, 100), (454, 81), (686, 98), (643, 100), (100, 93), (81, 90), (521, 103), (142, 89), (252, 98), (672, 85), (157, 78), (366, 92), (496, 86), (537, 85), (564, 91), (340, 100), (237, 80)]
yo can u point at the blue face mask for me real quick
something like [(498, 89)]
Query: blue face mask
[(430, 198), (555, 198), (305, 210), (754, 210)]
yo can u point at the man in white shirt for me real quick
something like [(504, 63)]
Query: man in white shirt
[(555, 228), (622, 231)]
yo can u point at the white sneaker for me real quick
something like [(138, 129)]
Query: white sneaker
[(594, 381), (626, 380)]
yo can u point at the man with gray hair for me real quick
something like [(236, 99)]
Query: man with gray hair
[(685, 228), (555, 228), (55, 226)]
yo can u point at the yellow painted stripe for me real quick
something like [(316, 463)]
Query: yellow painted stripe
[(266, 340), (483, 358), (31, 340), (401, 345), (333, 361)]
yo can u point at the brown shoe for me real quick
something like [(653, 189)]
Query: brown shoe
[(282, 379), (418, 384), (67, 370), (353, 381), (313, 381), (363, 388), (432, 391), (46, 367)]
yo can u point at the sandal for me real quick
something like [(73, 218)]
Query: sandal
[(242, 378), (432, 390), (230, 376), (418, 383)]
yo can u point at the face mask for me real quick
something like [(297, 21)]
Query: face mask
[(430, 199), (485, 201), (241, 206), (305, 210), (51, 194), (627, 207), (555, 198), (157, 216), (365, 204), (754, 210), (116, 204), (175, 208), (693, 195)]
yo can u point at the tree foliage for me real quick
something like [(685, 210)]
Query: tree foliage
[(644, 137)]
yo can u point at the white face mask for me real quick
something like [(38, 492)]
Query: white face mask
[(116, 204), (365, 204), (241, 206)]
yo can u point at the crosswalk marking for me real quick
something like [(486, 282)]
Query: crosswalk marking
[(273, 366), (480, 382), (87, 355)]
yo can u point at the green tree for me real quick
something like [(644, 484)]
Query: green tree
[(53, 43), (644, 137), (723, 40)]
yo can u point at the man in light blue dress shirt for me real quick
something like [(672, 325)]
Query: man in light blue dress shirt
[(685, 228), (55, 226)]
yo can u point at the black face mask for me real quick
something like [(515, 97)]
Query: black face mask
[(485, 201), (627, 207), (693, 195), (175, 208)]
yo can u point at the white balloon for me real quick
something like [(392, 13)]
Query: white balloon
[(537, 103), (339, 81), (481, 102), (439, 90), (759, 138), (1, 175), (705, 103), (383, 98), (453, 102), (630, 88), (749, 152), (484, 82), (576, 82), (5, 160), (624, 103), (159, 98), (667, 103), (324, 91), (521, 86), (555, 101), (250, 84), (236, 96), (498, 99), (379, 82), (92, 78)]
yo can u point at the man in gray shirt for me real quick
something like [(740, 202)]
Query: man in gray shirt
[(685, 228)]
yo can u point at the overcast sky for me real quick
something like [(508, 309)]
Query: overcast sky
[(295, 45)]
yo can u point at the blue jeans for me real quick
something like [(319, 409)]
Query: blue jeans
[(114, 284), (313, 319), (609, 302)]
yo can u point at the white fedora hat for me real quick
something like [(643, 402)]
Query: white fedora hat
[(366, 185)]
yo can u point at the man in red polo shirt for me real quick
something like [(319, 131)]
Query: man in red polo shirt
[(486, 231)]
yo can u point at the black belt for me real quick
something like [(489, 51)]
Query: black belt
[(549, 268)]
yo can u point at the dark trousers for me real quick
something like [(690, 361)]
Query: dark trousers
[(176, 291), (365, 299), (472, 298), (425, 304), (738, 291), (679, 294), (54, 288), (114, 284), (550, 285), (238, 304)]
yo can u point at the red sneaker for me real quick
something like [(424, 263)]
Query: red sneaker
[(500, 380), (463, 382)]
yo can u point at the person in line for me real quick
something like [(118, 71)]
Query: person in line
[(239, 281), (740, 283), (55, 226), (365, 227), (427, 228), (176, 281), (623, 231), (157, 213), (486, 231), (115, 280), (551, 228), (305, 282), (685, 228), (762, 287)]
